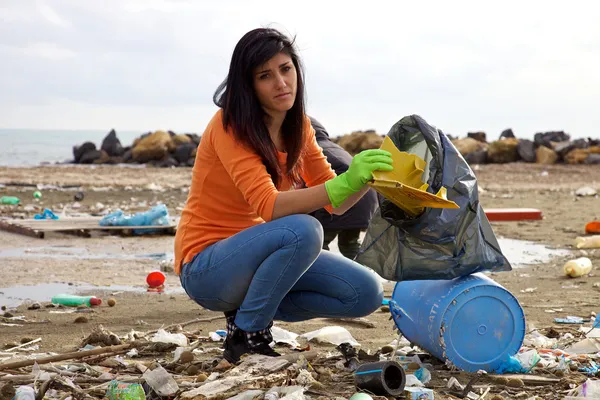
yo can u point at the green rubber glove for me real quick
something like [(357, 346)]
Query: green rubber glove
[(359, 173)]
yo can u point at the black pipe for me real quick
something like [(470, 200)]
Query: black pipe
[(383, 378)]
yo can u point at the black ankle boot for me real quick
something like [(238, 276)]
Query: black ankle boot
[(239, 343)]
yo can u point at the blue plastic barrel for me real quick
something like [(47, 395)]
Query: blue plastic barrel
[(473, 322)]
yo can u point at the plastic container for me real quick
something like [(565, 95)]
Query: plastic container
[(76, 301), (587, 242), (472, 321), (383, 378), (24, 393), (11, 200), (155, 279), (578, 267)]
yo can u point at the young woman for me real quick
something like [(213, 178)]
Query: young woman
[(245, 245)]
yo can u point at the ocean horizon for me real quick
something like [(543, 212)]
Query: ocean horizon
[(31, 147)]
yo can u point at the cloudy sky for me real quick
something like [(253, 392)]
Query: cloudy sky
[(154, 64)]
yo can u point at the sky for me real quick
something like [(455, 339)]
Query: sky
[(464, 66)]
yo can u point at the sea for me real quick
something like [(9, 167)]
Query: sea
[(31, 147)]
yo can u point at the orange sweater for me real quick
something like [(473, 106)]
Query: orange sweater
[(231, 189)]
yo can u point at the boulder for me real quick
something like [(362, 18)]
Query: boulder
[(128, 155), (592, 158), (576, 156), (479, 136), (153, 147), (104, 158), (526, 150), (195, 138), (356, 142), (594, 149), (503, 151), (507, 134), (112, 145), (477, 157), (166, 162), (181, 139), (79, 151), (562, 148), (91, 156), (468, 145), (545, 138), (545, 155), (184, 152)]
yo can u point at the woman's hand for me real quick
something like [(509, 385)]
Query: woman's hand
[(359, 173)]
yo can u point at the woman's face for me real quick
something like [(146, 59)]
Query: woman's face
[(275, 84)]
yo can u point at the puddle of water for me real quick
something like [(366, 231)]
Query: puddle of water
[(78, 253), (16, 295), (521, 253)]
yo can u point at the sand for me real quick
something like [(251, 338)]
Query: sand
[(113, 260)]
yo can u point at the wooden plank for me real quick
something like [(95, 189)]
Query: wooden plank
[(20, 229)]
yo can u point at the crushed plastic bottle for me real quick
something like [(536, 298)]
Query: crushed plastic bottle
[(578, 267), (161, 381), (125, 391), (10, 200)]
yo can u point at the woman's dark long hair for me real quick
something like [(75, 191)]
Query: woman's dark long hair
[(243, 115)]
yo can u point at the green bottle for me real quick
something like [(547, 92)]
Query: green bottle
[(117, 390), (75, 301), (9, 200)]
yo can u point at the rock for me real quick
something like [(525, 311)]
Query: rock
[(186, 357), (545, 155), (154, 146), (111, 302), (112, 145), (79, 196), (562, 148), (526, 150), (81, 320), (508, 134), (545, 138), (195, 138), (79, 151), (34, 306), (503, 151), (576, 156), (104, 158), (90, 157), (7, 315), (592, 159), (27, 340), (387, 349), (184, 152), (477, 157), (468, 145), (479, 136), (166, 162), (7, 391), (128, 156), (181, 139), (358, 141)]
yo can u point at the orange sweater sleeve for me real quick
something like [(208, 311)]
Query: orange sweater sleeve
[(247, 171)]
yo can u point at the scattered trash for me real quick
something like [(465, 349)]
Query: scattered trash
[(414, 393), (125, 391), (571, 320), (163, 336), (9, 200), (37, 194), (72, 300), (587, 242), (586, 191), (529, 290), (592, 227), (46, 214), (79, 196), (331, 334), (384, 378), (578, 267), (155, 279)]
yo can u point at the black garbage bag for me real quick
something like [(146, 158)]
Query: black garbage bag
[(439, 243)]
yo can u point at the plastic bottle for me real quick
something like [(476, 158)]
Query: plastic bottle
[(9, 200), (587, 242), (579, 267), (75, 301)]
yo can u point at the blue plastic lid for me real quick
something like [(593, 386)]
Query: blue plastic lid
[(476, 339)]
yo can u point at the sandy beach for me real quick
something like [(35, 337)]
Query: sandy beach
[(114, 266)]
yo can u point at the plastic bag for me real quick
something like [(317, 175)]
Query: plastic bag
[(439, 243)]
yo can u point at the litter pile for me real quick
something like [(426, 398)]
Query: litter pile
[(176, 362)]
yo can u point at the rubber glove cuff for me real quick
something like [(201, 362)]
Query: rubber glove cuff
[(339, 189)]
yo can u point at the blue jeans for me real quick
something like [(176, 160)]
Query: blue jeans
[(277, 270)]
